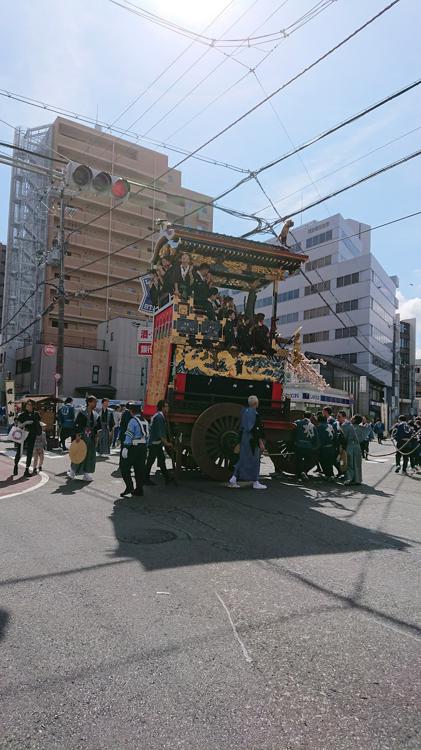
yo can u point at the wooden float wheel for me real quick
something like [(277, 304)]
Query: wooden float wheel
[(214, 437)]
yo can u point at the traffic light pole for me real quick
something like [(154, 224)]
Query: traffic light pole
[(61, 297)]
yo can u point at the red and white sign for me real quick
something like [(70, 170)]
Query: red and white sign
[(144, 339), (144, 350), (49, 350), (57, 377)]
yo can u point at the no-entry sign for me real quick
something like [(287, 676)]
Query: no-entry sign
[(49, 350)]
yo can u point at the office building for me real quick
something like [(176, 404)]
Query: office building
[(407, 367), (345, 304), (92, 240)]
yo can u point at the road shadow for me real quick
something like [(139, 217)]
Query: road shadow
[(212, 526), (69, 486), (196, 525), (4, 622)]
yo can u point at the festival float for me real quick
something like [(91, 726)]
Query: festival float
[(206, 382)]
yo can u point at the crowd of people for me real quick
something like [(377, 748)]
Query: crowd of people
[(141, 443), (406, 434), (247, 334), (334, 445)]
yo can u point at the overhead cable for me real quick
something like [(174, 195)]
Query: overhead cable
[(85, 119), (169, 66)]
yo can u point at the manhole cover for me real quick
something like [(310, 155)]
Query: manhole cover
[(148, 536)]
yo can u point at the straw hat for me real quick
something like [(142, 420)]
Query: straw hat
[(78, 451)]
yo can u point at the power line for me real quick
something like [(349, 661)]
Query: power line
[(133, 278), (258, 105), (106, 126), (277, 221), (33, 153), (169, 66), (325, 4), (30, 325), (294, 78), (213, 42), (185, 72), (377, 172), (87, 292), (339, 169), (41, 283), (342, 124), (251, 175), (250, 70), (327, 304)]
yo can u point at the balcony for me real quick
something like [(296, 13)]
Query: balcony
[(73, 340)]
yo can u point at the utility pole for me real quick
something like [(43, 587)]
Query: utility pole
[(61, 296)]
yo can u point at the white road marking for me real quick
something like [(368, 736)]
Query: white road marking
[(10, 453), (44, 480), (234, 630)]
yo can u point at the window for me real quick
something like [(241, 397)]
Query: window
[(23, 365), (382, 288), (316, 312), (351, 247), (379, 310), (321, 286), (350, 278), (382, 338), (311, 338), (319, 238), (319, 263), (286, 296), (350, 357), (95, 374), (110, 374), (54, 324), (112, 336), (264, 302), (350, 304), (346, 333), (379, 362), (288, 318)]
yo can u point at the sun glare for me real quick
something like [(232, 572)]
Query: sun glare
[(190, 13)]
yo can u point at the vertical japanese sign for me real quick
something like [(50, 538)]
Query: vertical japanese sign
[(10, 401), (144, 339), (146, 305)]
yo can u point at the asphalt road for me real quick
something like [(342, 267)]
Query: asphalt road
[(208, 618)]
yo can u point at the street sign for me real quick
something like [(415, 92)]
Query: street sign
[(57, 377), (49, 350), (146, 304), (144, 350), (10, 400)]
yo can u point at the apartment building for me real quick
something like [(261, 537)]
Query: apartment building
[(2, 274), (106, 251)]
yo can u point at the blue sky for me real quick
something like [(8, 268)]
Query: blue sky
[(94, 56)]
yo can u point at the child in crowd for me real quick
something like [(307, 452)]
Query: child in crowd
[(39, 447)]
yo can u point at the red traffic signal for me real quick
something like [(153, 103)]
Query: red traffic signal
[(84, 178), (120, 188)]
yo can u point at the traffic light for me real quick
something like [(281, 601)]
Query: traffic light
[(83, 178)]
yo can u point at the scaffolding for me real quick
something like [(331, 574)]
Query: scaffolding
[(26, 241)]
